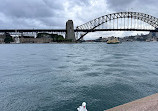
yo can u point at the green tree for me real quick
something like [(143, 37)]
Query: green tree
[(43, 35), (8, 38)]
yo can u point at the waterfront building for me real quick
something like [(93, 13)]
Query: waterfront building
[(16, 39), (2, 37), (35, 40)]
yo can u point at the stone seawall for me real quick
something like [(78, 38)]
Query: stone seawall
[(149, 103)]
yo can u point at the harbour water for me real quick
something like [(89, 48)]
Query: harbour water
[(59, 77)]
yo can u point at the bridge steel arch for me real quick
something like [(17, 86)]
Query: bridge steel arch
[(93, 24)]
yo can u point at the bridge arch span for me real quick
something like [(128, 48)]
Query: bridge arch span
[(93, 24)]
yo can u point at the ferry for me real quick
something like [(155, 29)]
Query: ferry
[(113, 41)]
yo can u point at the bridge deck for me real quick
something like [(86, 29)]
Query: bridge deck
[(76, 30), (96, 30), (32, 30)]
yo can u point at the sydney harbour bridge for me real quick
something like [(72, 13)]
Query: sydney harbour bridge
[(122, 21)]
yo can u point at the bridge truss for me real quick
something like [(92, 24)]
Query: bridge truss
[(122, 21)]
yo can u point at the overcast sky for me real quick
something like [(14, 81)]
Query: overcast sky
[(55, 13)]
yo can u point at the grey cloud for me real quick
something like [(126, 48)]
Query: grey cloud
[(46, 13), (82, 2), (120, 5), (144, 6), (20, 12), (25, 9), (54, 4)]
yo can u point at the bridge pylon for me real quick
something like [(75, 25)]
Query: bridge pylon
[(70, 33)]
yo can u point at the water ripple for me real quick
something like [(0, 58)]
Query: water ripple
[(59, 77)]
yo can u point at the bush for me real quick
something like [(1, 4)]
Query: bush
[(8, 38)]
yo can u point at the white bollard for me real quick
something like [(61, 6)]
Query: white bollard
[(83, 107)]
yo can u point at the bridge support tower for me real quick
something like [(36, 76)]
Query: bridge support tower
[(70, 33)]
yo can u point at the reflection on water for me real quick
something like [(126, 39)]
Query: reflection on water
[(59, 77)]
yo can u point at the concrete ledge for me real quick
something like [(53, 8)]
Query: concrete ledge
[(149, 103)]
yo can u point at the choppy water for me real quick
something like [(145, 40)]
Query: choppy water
[(59, 77)]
